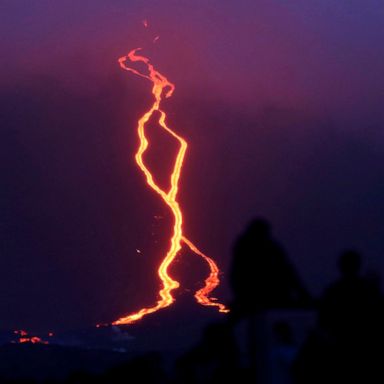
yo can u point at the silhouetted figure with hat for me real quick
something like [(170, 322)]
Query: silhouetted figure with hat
[(262, 277)]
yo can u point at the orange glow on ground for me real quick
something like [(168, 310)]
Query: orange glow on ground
[(161, 87), (23, 337)]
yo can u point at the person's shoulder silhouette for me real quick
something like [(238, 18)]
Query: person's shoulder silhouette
[(262, 276)]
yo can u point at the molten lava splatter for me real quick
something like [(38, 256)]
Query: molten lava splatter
[(24, 337), (162, 87)]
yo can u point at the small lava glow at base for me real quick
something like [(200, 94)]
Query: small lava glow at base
[(23, 337), (161, 87)]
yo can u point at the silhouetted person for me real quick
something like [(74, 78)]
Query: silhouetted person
[(349, 305), (344, 347), (261, 277)]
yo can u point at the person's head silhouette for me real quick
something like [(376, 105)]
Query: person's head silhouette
[(259, 228), (350, 263)]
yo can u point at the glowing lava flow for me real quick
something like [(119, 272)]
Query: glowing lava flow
[(24, 337), (163, 88)]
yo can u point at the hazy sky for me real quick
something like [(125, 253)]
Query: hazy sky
[(281, 102)]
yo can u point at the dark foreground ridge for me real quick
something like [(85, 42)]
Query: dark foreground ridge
[(276, 333)]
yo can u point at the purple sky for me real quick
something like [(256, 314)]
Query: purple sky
[(281, 102)]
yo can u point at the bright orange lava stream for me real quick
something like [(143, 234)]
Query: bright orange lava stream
[(164, 88)]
